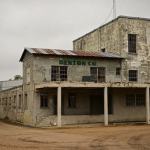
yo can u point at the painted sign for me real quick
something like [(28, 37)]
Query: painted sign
[(77, 62)]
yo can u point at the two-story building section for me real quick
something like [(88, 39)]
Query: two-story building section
[(126, 36), (104, 79)]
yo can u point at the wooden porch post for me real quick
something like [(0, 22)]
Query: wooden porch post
[(147, 105), (106, 106), (59, 106)]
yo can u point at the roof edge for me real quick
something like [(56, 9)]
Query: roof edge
[(26, 49), (15, 87), (121, 16)]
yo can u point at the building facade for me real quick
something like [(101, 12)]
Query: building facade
[(104, 79), (10, 84)]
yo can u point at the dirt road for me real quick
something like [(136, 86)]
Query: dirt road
[(94, 138)]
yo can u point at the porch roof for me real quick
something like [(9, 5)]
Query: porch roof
[(89, 85)]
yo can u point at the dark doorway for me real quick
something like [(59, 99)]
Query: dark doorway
[(97, 104)]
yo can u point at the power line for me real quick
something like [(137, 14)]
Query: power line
[(114, 9), (109, 15), (112, 12)]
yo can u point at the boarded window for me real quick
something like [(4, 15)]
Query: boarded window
[(132, 43), (59, 73), (44, 101), (98, 73), (72, 101), (133, 75)]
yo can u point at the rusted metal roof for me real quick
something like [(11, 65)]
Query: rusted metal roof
[(60, 52)]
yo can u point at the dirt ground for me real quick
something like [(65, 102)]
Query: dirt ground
[(96, 137)]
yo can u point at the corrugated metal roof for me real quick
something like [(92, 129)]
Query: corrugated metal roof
[(60, 52)]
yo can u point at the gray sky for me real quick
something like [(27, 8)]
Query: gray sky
[(53, 24)]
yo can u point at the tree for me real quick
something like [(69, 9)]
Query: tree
[(17, 77)]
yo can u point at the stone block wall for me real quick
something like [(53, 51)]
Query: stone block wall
[(42, 69), (113, 36)]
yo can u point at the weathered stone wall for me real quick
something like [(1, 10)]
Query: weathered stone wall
[(114, 38), (17, 104), (42, 69), (9, 104), (14, 106), (106, 37)]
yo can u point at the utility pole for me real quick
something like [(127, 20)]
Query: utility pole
[(114, 9)]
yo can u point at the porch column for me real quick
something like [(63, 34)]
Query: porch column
[(106, 106), (147, 105), (59, 106)]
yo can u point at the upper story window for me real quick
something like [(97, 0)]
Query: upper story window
[(59, 73), (118, 71), (132, 43), (133, 75), (28, 75), (98, 73), (103, 50)]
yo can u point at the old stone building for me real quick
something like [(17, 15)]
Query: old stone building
[(104, 79)]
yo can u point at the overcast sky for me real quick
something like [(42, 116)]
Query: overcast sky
[(53, 24)]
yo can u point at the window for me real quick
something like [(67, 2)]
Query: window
[(140, 100), (135, 100), (98, 73), (59, 73), (118, 71), (101, 74), (103, 50), (25, 101), (10, 101), (28, 75), (132, 43), (6, 101), (14, 101), (130, 100), (20, 100), (133, 75), (3, 101), (72, 101), (44, 100), (63, 73)]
